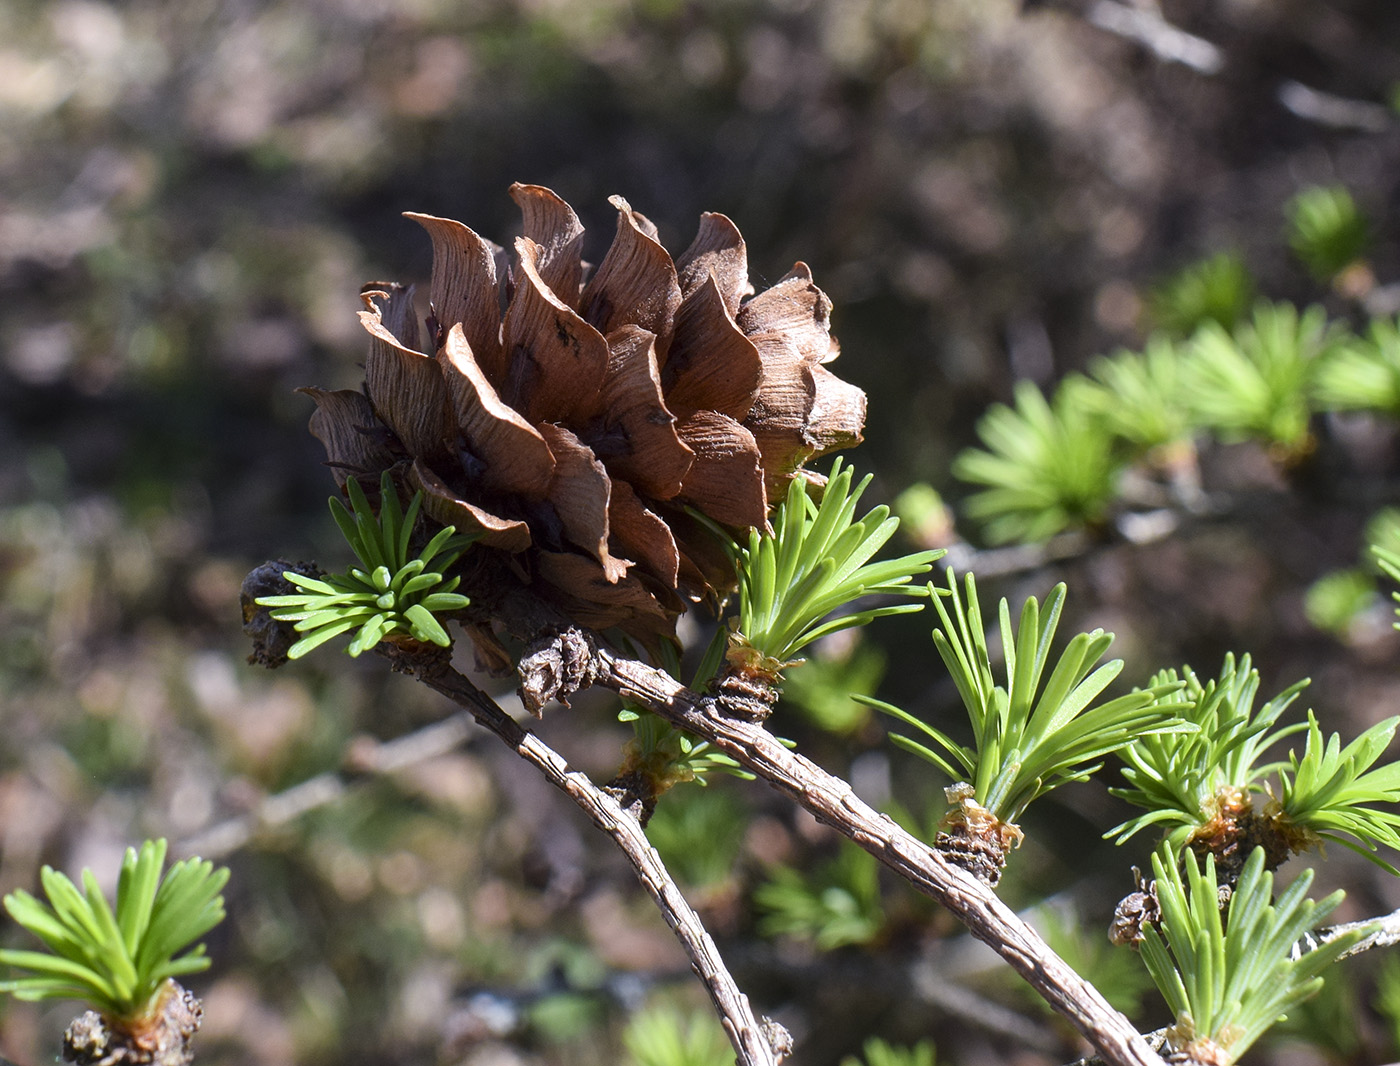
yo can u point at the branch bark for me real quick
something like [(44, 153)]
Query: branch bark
[(756, 1043), (1382, 932), (833, 802)]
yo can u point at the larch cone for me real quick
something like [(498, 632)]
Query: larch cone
[(574, 420)]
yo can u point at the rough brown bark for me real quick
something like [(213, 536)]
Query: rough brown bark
[(755, 1042), (833, 802)]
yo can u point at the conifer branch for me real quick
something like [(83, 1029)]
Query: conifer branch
[(833, 802), (756, 1043)]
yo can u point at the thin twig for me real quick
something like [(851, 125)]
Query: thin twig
[(366, 758), (750, 1039), (1018, 558), (961, 1002), (1382, 932), (1144, 25), (1337, 112), (834, 803), (1157, 35), (1135, 527), (1156, 1040)]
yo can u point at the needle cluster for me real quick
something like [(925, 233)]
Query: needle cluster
[(120, 960), (389, 592)]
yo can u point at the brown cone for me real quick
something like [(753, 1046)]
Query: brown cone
[(571, 423)]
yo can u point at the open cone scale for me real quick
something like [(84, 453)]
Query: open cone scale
[(572, 420)]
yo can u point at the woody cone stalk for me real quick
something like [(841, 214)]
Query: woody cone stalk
[(572, 420)]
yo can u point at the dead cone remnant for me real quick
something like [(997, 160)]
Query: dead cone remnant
[(973, 837), (162, 1037), (571, 420), (1135, 912), (750, 683)]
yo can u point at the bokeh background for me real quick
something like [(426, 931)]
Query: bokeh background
[(190, 196)]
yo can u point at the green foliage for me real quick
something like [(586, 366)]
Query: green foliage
[(1335, 601), (1389, 562), (1052, 464), (664, 1036), (1333, 791), (1326, 230), (668, 656), (1047, 466), (827, 686), (1188, 780), (1387, 1000), (699, 834), (390, 592), (1382, 535), (1140, 397), (1228, 981), (666, 755), (1218, 289), (565, 1017), (118, 962), (878, 1052), (1034, 733), (1363, 374), (816, 561), (1183, 778), (836, 905), (671, 755), (1338, 601), (1330, 1021), (1255, 383), (924, 515)]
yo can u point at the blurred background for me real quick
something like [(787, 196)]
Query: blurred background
[(191, 195)]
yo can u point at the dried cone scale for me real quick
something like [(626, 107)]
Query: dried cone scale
[(972, 837), (571, 420)]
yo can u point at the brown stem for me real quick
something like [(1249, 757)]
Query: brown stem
[(834, 803), (753, 1042), (560, 665)]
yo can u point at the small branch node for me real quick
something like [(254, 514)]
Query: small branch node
[(93, 1040), (779, 1039), (556, 665)]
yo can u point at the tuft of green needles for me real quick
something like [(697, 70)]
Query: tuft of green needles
[(117, 960), (389, 592), (816, 562)]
